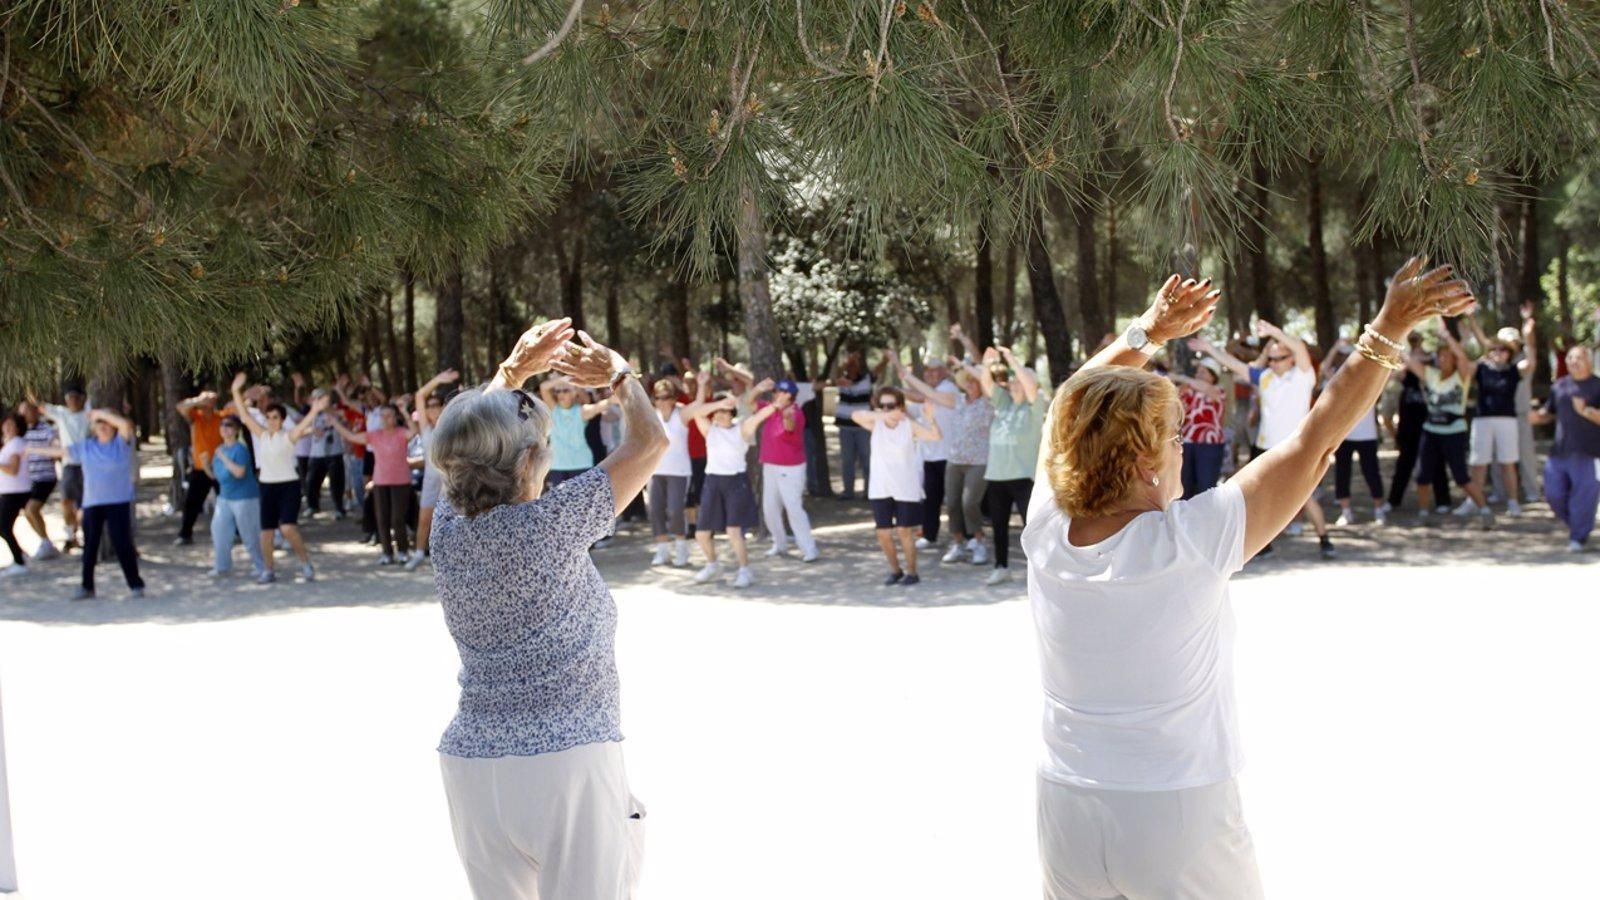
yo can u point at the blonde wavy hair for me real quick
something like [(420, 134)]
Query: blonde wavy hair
[(1104, 423)]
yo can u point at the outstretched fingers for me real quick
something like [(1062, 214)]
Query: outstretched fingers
[(1410, 268)]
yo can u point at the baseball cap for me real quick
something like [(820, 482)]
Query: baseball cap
[(788, 387)]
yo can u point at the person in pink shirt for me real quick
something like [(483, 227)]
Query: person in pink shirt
[(782, 427), (391, 475)]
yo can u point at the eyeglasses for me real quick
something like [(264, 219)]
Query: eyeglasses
[(888, 407), (525, 404), (1274, 359)]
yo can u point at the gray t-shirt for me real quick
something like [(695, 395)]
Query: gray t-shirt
[(533, 621)]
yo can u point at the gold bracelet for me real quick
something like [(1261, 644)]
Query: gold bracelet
[(1373, 333), (1365, 349)]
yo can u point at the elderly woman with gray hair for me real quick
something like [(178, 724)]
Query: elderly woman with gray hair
[(1129, 589), (532, 763)]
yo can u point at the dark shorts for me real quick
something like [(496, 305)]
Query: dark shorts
[(890, 513), (1440, 452), (41, 491), (72, 483), (697, 482), (726, 501), (280, 504)]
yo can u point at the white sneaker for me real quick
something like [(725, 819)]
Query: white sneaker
[(663, 555), (1513, 509), (924, 544), (998, 576), (1572, 547), (980, 554), (1466, 508), (1485, 518), (1441, 510), (776, 550), (811, 557), (13, 570), (1380, 516), (1344, 520), (680, 553), (709, 573), (46, 551), (385, 560), (1294, 529), (216, 573), (416, 560), (954, 554), (745, 578)]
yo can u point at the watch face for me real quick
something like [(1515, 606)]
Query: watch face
[(1136, 337)]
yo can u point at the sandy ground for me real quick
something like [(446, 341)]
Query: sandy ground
[(1418, 718)]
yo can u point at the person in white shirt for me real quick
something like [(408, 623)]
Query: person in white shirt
[(1285, 386), (71, 418), (279, 482), (727, 502), (894, 483), (669, 485), (936, 392), (1129, 590)]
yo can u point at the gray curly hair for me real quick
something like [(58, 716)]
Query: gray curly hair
[(479, 443)]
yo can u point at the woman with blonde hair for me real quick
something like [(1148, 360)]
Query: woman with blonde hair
[(1129, 590)]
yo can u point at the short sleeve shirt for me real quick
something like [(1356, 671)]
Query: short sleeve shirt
[(1575, 435), (229, 487), (107, 471), (1285, 402), (389, 448), (205, 434), (779, 445), (533, 621), (1014, 436), (41, 469), (14, 451)]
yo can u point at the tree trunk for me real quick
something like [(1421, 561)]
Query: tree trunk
[(614, 309), (410, 345), (678, 319), (1321, 291), (1091, 310), (572, 285), (1528, 268), (983, 287), (1563, 288), (760, 327), (1364, 264), (1113, 260), (1008, 295), (1254, 232), (1507, 275), (449, 322), (1047, 303), (375, 341), (391, 345)]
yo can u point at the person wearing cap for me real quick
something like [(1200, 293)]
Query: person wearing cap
[(71, 419), (1527, 452), (1204, 439), (238, 508), (1496, 377), (782, 427)]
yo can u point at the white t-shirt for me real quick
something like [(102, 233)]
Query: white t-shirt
[(896, 472), (275, 457), (1135, 639), (1366, 428), (675, 461), (1285, 402), (19, 483), (75, 425), (936, 451), (725, 451)]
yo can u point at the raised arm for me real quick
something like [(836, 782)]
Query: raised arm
[(1278, 484), (1302, 354), (967, 344), (533, 354), (1230, 362), (1465, 363), (865, 418), (308, 421), (1179, 308), (237, 390), (736, 374), (1026, 377), (752, 422), (354, 437), (122, 424), (644, 439), (1214, 391), (945, 399), (448, 376), (928, 432), (1530, 342)]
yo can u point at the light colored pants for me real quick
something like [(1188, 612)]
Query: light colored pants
[(356, 479), (556, 826), (783, 491), (241, 517), (963, 497), (1145, 845)]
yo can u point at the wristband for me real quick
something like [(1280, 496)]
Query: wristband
[(618, 375)]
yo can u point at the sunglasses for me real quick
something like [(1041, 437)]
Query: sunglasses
[(1273, 359), (888, 407)]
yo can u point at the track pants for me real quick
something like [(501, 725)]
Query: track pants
[(1572, 486), (783, 491), (117, 519)]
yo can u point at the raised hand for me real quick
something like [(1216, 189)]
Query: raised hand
[(239, 378), (1528, 310), (1415, 295), (588, 364), (1199, 345), (764, 385), (298, 379), (534, 351), (1179, 309), (991, 355), (448, 376), (319, 404)]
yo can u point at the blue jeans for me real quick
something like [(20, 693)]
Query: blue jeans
[(1572, 485), (241, 517), (356, 477), (1202, 464), (855, 446)]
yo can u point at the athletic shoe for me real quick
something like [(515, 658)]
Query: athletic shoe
[(1574, 547), (385, 560), (776, 550), (267, 577), (924, 544), (83, 594), (954, 554), (1466, 508), (680, 553), (1485, 519), (709, 573), (416, 560), (1345, 520), (309, 572), (744, 578), (136, 593), (1380, 516), (998, 576), (1325, 547), (811, 557), (182, 541), (1294, 529), (663, 555), (895, 578), (980, 554), (1441, 510), (46, 551), (1514, 509), (216, 573), (909, 580), (13, 570)]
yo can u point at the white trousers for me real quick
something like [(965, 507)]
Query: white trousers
[(557, 826), (1135, 845), (783, 491)]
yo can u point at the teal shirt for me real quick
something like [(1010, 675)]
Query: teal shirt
[(1014, 437), (1447, 403), (572, 452)]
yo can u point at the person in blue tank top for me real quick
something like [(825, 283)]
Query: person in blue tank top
[(569, 416)]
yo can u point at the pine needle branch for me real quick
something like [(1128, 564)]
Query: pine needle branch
[(1172, 79), (1549, 33), (556, 39), (805, 46)]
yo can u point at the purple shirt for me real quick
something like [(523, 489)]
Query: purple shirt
[(1575, 436), (779, 446)]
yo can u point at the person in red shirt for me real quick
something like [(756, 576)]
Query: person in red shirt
[(1204, 440)]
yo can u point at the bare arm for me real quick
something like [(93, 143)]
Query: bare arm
[(928, 432), (50, 452), (1278, 484), (1466, 364), (945, 399), (1178, 309), (589, 364), (752, 423), (123, 425), (1025, 376), (533, 354), (967, 343), (233, 468), (243, 409), (1214, 391), (1530, 343), (1302, 355), (864, 418)]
